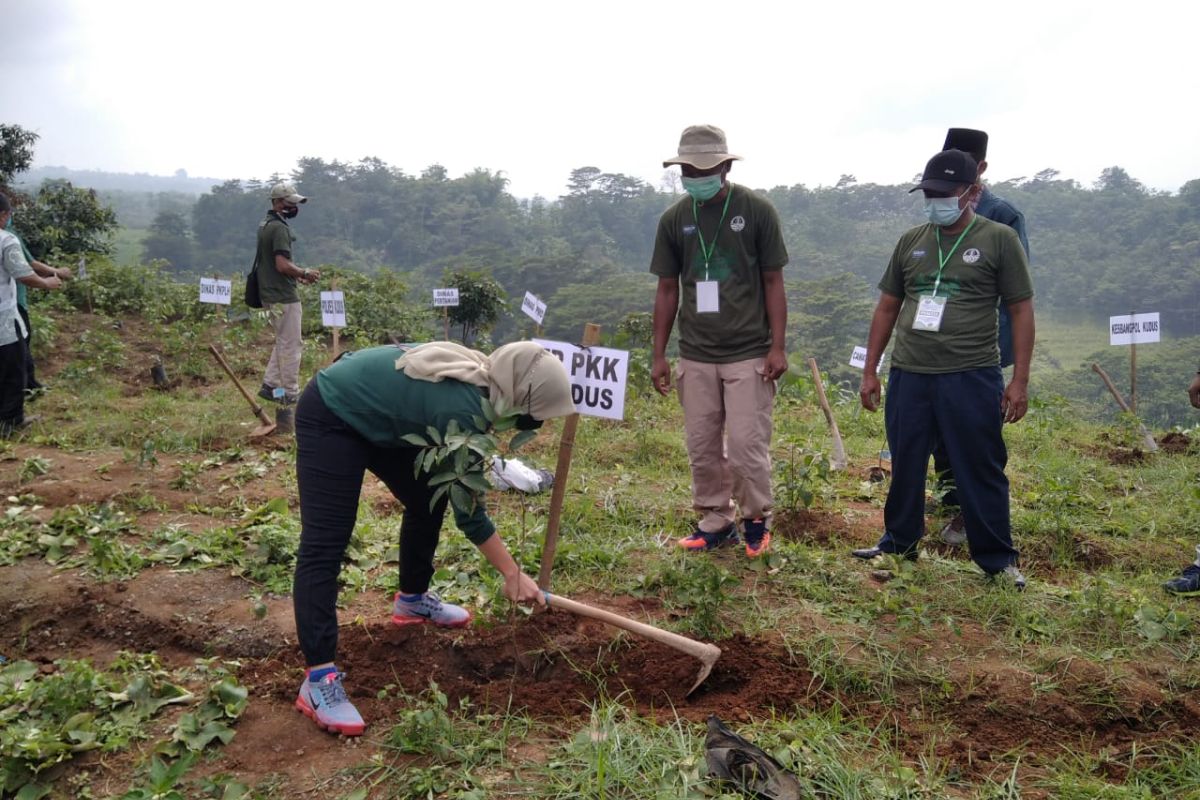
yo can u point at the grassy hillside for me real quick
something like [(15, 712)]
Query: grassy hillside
[(148, 553)]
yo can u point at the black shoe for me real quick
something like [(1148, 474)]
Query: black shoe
[(1187, 583), (867, 553), (8, 429), (267, 392)]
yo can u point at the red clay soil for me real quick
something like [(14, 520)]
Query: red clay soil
[(555, 666)]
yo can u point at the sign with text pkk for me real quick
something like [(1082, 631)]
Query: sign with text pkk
[(1133, 329), (445, 297), (533, 307), (333, 309), (598, 376), (215, 290)]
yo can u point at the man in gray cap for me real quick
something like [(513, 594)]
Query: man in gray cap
[(940, 293), (989, 206), (277, 278), (720, 250)]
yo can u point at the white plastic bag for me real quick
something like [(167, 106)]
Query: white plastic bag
[(509, 473)]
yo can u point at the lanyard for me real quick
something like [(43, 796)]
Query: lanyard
[(707, 251), (945, 259)]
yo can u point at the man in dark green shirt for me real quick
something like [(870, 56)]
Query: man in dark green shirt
[(277, 278), (940, 293), (720, 250)]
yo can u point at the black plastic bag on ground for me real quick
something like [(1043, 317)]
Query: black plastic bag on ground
[(749, 768)]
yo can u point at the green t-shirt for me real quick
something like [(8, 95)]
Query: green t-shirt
[(987, 268), (748, 243), (366, 391), (274, 236)]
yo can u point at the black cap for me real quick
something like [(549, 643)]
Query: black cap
[(947, 171), (968, 140)]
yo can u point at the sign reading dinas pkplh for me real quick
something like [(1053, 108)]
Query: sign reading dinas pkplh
[(215, 290), (859, 359), (598, 376), (1133, 329), (333, 309), (445, 297), (533, 307)]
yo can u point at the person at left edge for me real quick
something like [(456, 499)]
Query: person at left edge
[(277, 279), (352, 418), (719, 257), (33, 387), (14, 269)]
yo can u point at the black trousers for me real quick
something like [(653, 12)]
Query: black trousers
[(331, 459), (12, 384), (30, 379)]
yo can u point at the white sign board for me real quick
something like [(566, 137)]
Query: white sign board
[(1133, 329), (445, 297), (598, 376), (333, 309), (859, 359), (533, 307), (214, 290)]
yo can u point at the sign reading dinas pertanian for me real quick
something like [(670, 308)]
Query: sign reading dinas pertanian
[(859, 359), (333, 309), (598, 376), (1133, 329), (215, 290), (445, 297), (533, 307)]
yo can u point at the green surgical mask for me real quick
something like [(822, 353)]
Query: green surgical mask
[(702, 189)]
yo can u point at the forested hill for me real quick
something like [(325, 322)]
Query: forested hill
[(1110, 248)]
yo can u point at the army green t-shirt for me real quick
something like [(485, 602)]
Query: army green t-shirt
[(366, 391), (746, 243), (274, 236), (988, 267)]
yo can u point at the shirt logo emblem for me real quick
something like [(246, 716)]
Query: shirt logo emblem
[(737, 224), (688, 230), (971, 256), (918, 253)]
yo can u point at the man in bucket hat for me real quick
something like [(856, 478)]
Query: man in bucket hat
[(940, 293), (277, 278), (719, 256)]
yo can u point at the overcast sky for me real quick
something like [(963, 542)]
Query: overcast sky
[(535, 89)]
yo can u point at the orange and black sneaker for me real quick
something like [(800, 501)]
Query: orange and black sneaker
[(758, 538), (703, 540)]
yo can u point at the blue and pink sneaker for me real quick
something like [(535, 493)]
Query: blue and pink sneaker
[(324, 701), (428, 607)]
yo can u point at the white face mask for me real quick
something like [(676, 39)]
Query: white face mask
[(943, 211)]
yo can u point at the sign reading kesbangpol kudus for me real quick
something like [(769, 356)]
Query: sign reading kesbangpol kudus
[(214, 290), (1133, 329), (598, 376)]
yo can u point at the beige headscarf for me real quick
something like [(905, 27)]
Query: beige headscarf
[(521, 375)]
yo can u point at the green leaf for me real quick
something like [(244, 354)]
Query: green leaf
[(521, 438), (477, 482), (232, 697), (463, 500), (415, 439), (435, 435), (442, 477)]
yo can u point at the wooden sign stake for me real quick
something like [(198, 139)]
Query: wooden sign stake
[(591, 336), (337, 345)]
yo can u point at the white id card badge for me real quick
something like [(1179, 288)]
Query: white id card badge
[(707, 297), (929, 313)]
